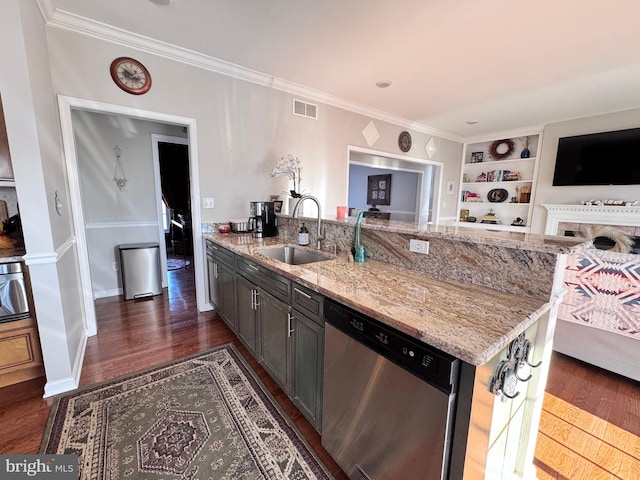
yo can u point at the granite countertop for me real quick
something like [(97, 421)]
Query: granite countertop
[(470, 322), (482, 236)]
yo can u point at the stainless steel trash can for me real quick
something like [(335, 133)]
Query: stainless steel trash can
[(140, 267)]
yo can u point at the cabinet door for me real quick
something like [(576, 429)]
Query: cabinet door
[(274, 338), (213, 282), (226, 296), (246, 294), (307, 360)]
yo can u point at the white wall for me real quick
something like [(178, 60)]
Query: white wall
[(113, 216), (404, 191), (548, 194)]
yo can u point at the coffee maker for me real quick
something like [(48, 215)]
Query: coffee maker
[(262, 222)]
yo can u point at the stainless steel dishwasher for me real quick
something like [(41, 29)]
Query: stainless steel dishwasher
[(388, 400)]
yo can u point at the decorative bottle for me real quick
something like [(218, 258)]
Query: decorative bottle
[(357, 249)]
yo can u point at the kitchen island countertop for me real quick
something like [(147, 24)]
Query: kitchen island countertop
[(470, 322)]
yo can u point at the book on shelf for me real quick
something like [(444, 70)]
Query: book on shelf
[(468, 196)]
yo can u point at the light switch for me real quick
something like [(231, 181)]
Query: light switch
[(207, 202)]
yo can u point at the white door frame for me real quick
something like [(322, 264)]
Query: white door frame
[(65, 105)]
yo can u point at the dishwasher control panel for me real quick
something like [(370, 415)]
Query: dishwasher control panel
[(428, 363)]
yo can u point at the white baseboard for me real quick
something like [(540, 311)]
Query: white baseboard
[(72, 382), (116, 291), (60, 386), (107, 293)]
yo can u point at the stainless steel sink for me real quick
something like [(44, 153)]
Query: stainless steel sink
[(293, 255)]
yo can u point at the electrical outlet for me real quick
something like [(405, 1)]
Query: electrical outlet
[(419, 246), (115, 266), (207, 202)]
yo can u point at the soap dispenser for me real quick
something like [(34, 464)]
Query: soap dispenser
[(303, 236)]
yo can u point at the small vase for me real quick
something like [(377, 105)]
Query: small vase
[(526, 153), (292, 204)]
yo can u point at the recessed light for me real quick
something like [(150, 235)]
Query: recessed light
[(471, 122), (383, 83), (162, 3)]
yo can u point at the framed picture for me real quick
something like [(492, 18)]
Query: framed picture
[(379, 189), (277, 206), (476, 157)]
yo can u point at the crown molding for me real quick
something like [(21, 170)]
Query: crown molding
[(65, 20), (520, 132)]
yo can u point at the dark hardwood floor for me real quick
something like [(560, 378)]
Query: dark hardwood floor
[(590, 425)]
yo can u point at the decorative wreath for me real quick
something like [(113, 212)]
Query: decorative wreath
[(493, 149)]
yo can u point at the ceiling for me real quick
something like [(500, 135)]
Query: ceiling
[(505, 64)]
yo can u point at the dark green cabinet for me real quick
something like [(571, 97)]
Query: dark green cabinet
[(307, 357), (221, 283), (280, 322), (247, 303), (275, 332)]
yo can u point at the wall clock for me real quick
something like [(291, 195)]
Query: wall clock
[(130, 75), (404, 141)]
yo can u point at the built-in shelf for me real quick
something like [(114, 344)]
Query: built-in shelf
[(494, 159), (509, 182), (492, 226), (491, 205)]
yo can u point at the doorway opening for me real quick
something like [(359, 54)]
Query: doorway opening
[(414, 190), (172, 155), (67, 105)]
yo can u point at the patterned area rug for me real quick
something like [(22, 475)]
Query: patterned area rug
[(204, 417), (603, 291)]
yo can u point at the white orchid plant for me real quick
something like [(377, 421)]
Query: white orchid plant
[(291, 167)]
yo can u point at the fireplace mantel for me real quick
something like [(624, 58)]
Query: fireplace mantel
[(592, 214)]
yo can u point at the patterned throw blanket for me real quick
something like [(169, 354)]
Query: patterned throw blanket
[(603, 291)]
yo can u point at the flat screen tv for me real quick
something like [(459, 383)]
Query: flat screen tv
[(608, 158)]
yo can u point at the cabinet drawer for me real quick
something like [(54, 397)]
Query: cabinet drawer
[(308, 302), (19, 349), (220, 254), (271, 282)]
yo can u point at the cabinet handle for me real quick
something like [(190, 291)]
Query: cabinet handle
[(254, 299), (289, 329), (254, 267), (215, 270), (302, 293)]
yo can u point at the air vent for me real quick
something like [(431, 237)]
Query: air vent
[(304, 109)]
